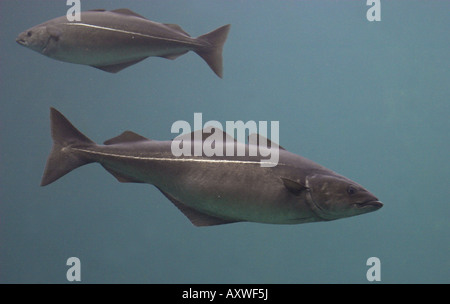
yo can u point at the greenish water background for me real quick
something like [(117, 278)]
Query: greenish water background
[(366, 99)]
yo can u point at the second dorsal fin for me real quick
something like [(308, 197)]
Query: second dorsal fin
[(126, 137), (177, 28), (255, 140), (126, 11)]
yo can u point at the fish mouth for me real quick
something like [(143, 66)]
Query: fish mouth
[(21, 41), (373, 204)]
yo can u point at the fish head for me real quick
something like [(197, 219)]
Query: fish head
[(333, 197), (40, 38)]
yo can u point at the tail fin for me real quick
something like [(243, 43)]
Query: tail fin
[(61, 160), (213, 54)]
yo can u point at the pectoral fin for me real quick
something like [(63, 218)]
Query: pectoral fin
[(294, 187), (53, 31)]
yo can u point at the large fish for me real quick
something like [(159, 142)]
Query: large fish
[(214, 190), (114, 40)]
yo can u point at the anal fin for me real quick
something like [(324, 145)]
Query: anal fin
[(122, 177), (196, 217), (173, 56), (115, 68)]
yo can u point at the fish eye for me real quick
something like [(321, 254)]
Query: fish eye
[(29, 33), (351, 190)]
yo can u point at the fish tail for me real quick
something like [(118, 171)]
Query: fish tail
[(213, 54), (61, 159)]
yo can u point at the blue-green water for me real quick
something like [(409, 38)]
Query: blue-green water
[(366, 99)]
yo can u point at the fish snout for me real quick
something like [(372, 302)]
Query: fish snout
[(373, 204), (20, 39)]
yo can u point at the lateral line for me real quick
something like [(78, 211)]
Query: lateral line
[(124, 32), (172, 159)]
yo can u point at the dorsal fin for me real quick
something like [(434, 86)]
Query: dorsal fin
[(177, 28), (205, 133), (254, 139), (126, 11), (126, 137), (211, 129)]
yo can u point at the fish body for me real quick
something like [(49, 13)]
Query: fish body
[(216, 189), (114, 40)]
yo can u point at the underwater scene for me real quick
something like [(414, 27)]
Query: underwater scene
[(127, 130)]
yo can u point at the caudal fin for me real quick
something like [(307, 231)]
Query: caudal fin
[(61, 159), (213, 54)]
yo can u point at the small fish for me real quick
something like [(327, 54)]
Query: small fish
[(114, 40), (214, 190)]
